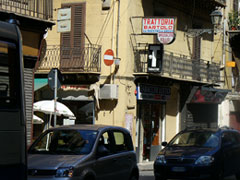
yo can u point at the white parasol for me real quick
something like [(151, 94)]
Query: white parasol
[(37, 120), (47, 107)]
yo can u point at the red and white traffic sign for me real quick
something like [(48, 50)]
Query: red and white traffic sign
[(108, 57)]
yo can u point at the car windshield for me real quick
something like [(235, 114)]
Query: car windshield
[(196, 138), (67, 142)]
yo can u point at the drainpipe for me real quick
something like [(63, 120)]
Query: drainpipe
[(113, 24), (118, 25), (113, 27), (223, 63), (224, 43), (117, 44)]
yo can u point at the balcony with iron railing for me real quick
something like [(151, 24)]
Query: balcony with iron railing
[(181, 67), (41, 9), (76, 60)]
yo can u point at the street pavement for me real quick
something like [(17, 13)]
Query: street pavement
[(146, 172)]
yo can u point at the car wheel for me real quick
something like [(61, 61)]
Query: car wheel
[(238, 176), (219, 176), (158, 178), (89, 178), (133, 178)]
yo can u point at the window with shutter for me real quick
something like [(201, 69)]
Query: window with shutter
[(72, 43)]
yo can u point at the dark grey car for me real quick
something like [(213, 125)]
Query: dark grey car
[(83, 152)]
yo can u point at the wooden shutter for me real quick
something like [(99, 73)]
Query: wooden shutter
[(235, 5), (72, 43)]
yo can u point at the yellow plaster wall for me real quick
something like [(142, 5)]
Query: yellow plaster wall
[(171, 113), (101, 28)]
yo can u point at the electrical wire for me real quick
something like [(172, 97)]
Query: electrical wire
[(105, 23)]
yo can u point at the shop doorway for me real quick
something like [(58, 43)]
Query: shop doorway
[(83, 110), (150, 130)]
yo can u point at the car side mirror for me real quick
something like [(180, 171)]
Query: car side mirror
[(164, 143), (102, 151)]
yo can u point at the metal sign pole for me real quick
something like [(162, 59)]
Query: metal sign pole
[(55, 97)]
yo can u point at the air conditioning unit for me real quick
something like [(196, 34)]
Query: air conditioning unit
[(108, 91)]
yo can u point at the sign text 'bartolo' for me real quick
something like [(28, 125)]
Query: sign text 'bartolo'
[(156, 25)]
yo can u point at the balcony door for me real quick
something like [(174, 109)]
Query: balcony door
[(72, 43)]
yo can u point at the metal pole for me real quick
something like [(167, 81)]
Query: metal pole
[(118, 26), (55, 97)]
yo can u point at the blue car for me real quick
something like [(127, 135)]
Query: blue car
[(200, 154)]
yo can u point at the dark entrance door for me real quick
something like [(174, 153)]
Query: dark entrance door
[(151, 130)]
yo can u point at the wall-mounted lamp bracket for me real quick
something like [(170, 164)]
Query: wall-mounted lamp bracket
[(197, 32)]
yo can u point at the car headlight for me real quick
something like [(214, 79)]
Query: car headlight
[(64, 172), (161, 159), (204, 160)]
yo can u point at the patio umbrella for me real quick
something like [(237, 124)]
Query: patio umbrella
[(37, 120), (47, 107)]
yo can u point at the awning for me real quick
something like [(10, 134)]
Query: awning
[(39, 83), (207, 95)]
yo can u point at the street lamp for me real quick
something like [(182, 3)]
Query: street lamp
[(216, 17)]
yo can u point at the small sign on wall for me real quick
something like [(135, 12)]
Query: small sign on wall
[(64, 20), (129, 122), (163, 27), (153, 92), (64, 26), (155, 55), (159, 24)]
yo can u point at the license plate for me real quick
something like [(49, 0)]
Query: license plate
[(178, 169)]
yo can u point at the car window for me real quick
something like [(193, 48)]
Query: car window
[(105, 142), (65, 142), (196, 138), (237, 135), (121, 142), (229, 138)]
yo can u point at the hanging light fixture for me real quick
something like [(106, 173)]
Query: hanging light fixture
[(216, 17)]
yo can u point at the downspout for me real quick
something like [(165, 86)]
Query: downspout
[(117, 42), (224, 53), (118, 25), (113, 25), (117, 45)]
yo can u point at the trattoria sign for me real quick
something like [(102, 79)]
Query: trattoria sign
[(164, 27)]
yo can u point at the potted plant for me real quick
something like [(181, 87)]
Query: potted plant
[(233, 20)]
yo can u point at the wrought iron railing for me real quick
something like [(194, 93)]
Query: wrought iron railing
[(87, 60), (180, 66), (42, 9)]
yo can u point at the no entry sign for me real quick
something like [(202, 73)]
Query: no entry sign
[(108, 57)]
